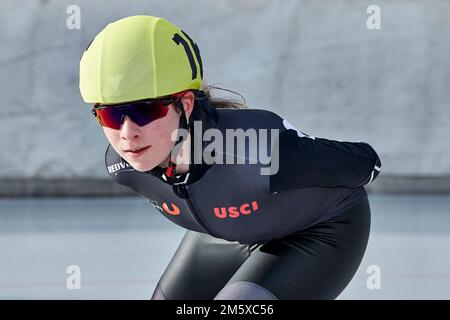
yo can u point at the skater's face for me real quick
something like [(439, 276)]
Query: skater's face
[(155, 138)]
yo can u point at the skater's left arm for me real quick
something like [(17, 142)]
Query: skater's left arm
[(306, 161)]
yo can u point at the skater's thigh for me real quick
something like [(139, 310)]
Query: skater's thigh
[(200, 267), (314, 263)]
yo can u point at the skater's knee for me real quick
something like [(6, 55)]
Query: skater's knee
[(158, 294), (244, 290)]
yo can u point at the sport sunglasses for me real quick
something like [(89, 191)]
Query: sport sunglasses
[(140, 112)]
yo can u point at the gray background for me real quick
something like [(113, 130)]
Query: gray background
[(313, 62)]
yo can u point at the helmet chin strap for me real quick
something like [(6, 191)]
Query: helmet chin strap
[(183, 124)]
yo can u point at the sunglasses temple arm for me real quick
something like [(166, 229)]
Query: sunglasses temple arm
[(183, 124)]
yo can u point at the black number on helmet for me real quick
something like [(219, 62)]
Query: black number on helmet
[(177, 38), (197, 53)]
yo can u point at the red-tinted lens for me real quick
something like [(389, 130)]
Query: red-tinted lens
[(141, 113)]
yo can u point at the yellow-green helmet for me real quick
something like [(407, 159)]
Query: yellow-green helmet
[(139, 57)]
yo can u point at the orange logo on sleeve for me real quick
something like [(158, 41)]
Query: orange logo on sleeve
[(174, 211)]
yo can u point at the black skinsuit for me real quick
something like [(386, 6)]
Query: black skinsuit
[(298, 234)]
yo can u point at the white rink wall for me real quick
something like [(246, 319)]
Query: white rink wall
[(313, 62)]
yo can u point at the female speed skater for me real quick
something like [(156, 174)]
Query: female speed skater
[(296, 231)]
